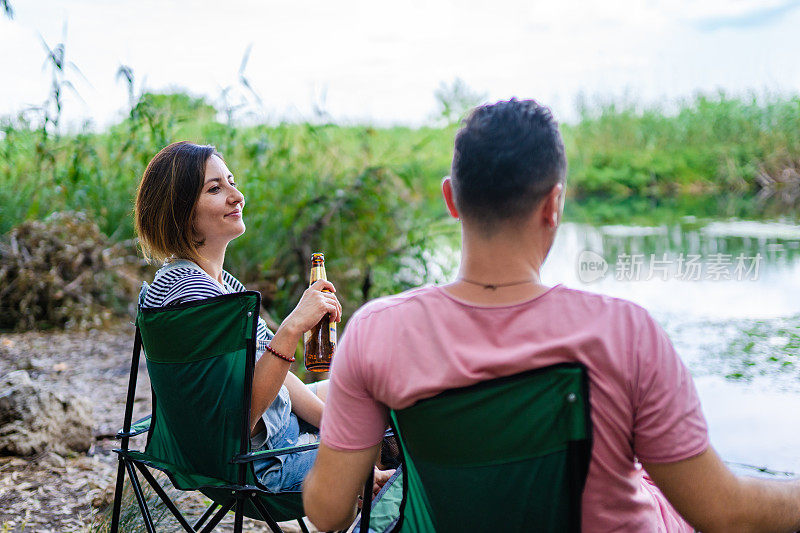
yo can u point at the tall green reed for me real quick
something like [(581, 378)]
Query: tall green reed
[(708, 144), (369, 197)]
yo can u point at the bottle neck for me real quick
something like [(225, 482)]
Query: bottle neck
[(317, 272)]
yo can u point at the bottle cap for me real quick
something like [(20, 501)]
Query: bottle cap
[(319, 256)]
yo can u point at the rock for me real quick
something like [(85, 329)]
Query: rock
[(52, 460), (35, 419), (101, 497)]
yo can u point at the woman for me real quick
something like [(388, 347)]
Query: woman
[(188, 209)]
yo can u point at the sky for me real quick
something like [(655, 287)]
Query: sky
[(381, 62)]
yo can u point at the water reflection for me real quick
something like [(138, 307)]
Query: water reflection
[(650, 265), (776, 242), (739, 336)]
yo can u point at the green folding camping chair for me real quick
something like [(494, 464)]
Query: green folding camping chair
[(509, 454), (200, 357)]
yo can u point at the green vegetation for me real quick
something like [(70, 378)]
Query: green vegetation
[(7, 9), (671, 210), (710, 145), (130, 520), (366, 197), (369, 197), (765, 347)]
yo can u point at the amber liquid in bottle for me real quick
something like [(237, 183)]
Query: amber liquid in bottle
[(320, 342)]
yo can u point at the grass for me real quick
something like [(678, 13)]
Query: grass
[(369, 197), (706, 145), (130, 515), (365, 197)]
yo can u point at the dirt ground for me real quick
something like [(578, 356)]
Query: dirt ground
[(50, 493)]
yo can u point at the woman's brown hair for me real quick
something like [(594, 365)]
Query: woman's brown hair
[(166, 200)]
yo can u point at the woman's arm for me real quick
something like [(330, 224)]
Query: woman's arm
[(305, 403), (271, 371)]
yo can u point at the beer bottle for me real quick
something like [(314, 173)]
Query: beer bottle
[(320, 342)]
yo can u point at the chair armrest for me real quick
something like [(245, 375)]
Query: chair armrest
[(137, 428), (265, 454)]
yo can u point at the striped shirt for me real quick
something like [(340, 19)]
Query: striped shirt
[(184, 281)]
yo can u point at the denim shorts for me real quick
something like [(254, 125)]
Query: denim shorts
[(286, 474)]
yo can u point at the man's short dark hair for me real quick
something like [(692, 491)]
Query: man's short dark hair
[(507, 157)]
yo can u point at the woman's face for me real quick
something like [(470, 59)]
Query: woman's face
[(218, 216)]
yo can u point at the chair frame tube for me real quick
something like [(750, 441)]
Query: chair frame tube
[(206, 515), (164, 498), (137, 491), (126, 427), (266, 516), (218, 517), (127, 464)]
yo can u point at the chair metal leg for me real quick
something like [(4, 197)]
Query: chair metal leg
[(206, 515), (137, 491), (218, 517), (303, 527), (118, 496), (366, 504), (273, 525), (237, 521), (164, 498)]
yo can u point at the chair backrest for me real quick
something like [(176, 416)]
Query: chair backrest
[(510, 454), (200, 357)]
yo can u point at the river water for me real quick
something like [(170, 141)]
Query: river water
[(728, 294)]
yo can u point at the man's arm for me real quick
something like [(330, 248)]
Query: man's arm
[(712, 498), (332, 487)]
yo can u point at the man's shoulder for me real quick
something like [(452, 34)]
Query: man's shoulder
[(575, 300), (575, 305), (396, 303), (595, 302)]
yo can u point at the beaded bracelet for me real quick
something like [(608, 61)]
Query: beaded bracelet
[(274, 352)]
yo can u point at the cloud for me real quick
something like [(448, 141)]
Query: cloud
[(749, 19)]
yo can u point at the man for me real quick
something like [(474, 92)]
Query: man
[(507, 188)]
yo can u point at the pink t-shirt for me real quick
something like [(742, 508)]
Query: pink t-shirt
[(401, 349)]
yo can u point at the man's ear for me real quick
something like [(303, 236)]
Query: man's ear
[(551, 208), (447, 192)]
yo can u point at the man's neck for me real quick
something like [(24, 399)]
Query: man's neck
[(500, 270)]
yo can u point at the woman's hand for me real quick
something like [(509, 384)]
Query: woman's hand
[(270, 372), (379, 479), (317, 301)]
